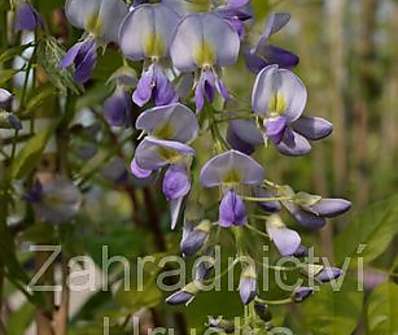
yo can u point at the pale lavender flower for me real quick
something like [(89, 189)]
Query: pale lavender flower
[(286, 240), (205, 41), (5, 98), (117, 108), (301, 293), (229, 170), (57, 201), (194, 237), (328, 274), (101, 19), (248, 285), (150, 42)]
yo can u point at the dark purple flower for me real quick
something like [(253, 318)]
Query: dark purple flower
[(301, 252), (206, 87), (117, 108), (205, 265), (155, 85), (313, 128), (9, 121), (83, 56), (328, 274), (302, 293), (232, 210), (115, 171), (193, 238), (27, 18), (236, 12), (264, 54), (268, 206)]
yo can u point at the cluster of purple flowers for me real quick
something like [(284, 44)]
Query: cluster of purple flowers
[(176, 45)]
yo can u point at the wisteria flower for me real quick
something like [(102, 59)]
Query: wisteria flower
[(264, 53), (170, 128), (229, 170), (286, 240), (27, 17), (205, 41), (151, 43), (55, 201), (279, 98), (5, 98), (236, 12), (244, 136), (101, 19)]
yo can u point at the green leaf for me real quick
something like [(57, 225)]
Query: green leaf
[(30, 154), (6, 75), (329, 312), (136, 298), (382, 310), (39, 99), (20, 320), (374, 228)]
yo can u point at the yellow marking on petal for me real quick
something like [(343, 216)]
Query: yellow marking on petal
[(277, 104), (204, 55), (165, 131), (232, 177), (154, 46), (94, 24), (169, 155)]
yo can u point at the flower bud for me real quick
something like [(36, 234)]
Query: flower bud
[(248, 285), (9, 121), (5, 98), (193, 238), (263, 311), (328, 274), (302, 293), (301, 252), (27, 18), (183, 296), (205, 265)]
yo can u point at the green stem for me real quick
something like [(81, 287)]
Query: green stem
[(275, 302), (255, 199)]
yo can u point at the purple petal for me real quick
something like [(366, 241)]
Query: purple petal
[(27, 18), (139, 172), (152, 153), (313, 128), (193, 238), (306, 219), (176, 182), (237, 3), (293, 144), (331, 207), (254, 63), (275, 22), (231, 167), (83, 56), (143, 92), (275, 55), (279, 91), (301, 251), (221, 88), (180, 297), (275, 128), (302, 293), (328, 274), (232, 210), (172, 122), (237, 143), (117, 108), (286, 240), (164, 92), (247, 289)]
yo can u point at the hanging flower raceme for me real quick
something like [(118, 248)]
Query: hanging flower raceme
[(236, 12), (150, 42), (205, 41), (279, 98), (170, 128), (27, 17), (101, 20), (264, 53), (230, 170)]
